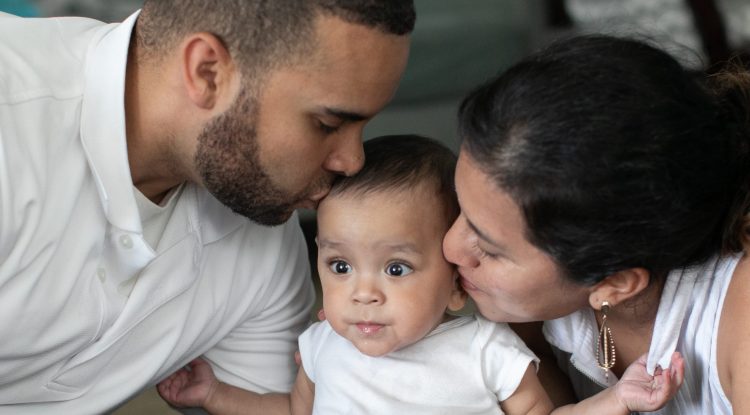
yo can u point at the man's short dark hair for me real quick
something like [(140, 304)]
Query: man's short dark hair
[(261, 34)]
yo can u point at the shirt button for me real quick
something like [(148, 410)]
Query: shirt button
[(126, 241), (102, 274)]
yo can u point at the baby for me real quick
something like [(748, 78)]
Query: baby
[(389, 344)]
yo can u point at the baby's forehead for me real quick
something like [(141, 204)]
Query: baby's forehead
[(418, 194), (419, 188), (423, 199)]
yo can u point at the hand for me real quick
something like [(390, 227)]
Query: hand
[(189, 387), (639, 391)]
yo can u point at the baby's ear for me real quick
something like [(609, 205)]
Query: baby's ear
[(458, 296)]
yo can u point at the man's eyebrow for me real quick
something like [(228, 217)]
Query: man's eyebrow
[(345, 115)]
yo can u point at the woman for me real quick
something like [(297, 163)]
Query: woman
[(604, 190)]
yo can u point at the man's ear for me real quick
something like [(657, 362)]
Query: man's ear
[(619, 287), (458, 296), (207, 69)]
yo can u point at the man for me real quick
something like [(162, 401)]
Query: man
[(124, 149)]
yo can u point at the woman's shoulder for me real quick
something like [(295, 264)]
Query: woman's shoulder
[(733, 340)]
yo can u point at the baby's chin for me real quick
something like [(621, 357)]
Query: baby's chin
[(371, 342), (377, 344), (373, 347), (374, 350)]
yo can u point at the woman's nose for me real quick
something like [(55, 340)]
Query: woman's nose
[(457, 245)]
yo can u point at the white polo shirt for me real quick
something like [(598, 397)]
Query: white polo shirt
[(89, 312)]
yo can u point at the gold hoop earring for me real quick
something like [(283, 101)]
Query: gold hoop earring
[(605, 344)]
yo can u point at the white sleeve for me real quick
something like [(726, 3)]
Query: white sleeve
[(258, 354), (10, 221), (505, 358), (6, 192), (310, 344)]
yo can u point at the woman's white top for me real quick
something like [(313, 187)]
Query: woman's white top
[(687, 321)]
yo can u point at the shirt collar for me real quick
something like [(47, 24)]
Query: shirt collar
[(103, 124), (576, 334)]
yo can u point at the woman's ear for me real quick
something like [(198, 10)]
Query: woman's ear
[(619, 287), (458, 296), (207, 70)]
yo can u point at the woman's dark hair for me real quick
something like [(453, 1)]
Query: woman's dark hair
[(617, 156), (404, 162)]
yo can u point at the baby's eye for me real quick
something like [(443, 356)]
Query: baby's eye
[(397, 269), (340, 267)]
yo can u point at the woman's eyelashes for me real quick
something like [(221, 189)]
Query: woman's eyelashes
[(482, 253)]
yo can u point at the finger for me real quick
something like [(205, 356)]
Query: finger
[(670, 381), (677, 368), (177, 374), (162, 389), (168, 382), (297, 358), (321, 314), (202, 370), (197, 362), (180, 380), (176, 388), (643, 359), (165, 391), (666, 380)]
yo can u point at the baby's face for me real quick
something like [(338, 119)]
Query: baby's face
[(385, 281)]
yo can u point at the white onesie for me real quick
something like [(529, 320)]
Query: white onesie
[(464, 366)]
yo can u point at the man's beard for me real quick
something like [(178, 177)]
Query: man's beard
[(228, 161)]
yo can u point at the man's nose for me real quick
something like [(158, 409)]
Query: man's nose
[(348, 157)]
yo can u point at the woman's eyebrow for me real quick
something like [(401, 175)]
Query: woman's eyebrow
[(484, 237)]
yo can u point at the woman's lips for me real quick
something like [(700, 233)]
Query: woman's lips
[(468, 286)]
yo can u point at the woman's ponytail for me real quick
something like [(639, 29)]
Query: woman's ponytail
[(731, 87)]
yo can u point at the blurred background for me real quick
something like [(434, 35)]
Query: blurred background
[(457, 44)]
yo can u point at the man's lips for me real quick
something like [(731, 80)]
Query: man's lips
[(317, 197), (313, 201)]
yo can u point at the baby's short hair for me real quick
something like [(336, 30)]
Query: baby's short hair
[(403, 162)]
